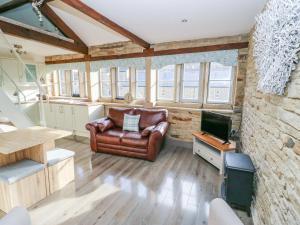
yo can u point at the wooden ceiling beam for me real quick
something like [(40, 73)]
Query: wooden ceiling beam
[(151, 52), (12, 4), (80, 6), (62, 26), (16, 29)]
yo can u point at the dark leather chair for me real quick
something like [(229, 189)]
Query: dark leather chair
[(107, 135)]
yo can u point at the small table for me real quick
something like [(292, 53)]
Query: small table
[(29, 143), (17, 151), (212, 149)]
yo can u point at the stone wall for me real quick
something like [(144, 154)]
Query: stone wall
[(271, 136)]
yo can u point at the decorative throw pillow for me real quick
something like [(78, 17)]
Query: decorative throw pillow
[(146, 132), (131, 122)]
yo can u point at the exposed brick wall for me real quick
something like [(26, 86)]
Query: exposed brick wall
[(271, 136)]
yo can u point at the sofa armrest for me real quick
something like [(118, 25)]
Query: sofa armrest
[(95, 124), (156, 138), (95, 127), (161, 128)]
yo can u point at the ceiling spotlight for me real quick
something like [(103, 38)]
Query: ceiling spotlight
[(184, 21)]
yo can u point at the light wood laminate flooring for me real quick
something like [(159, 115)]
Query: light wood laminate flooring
[(109, 190)]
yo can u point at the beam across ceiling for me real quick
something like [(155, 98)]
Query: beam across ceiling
[(18, 29), (12, 4), (150, 52), (61, 25), (85, 9)]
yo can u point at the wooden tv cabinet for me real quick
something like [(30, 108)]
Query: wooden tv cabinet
[(212, 149)]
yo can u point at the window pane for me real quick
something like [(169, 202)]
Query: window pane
[(220, 83), (123, 74), (62, 83), (105, 82), (220, 72), (105, 89), (166, 77), (190, 82), (122, 81), (123, 88), (105, 74), (75, 83), (140, 83)]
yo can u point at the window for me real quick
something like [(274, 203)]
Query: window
[(165, 83), (122, 81), (140, 87), (220, 83), (75, 83), (32, 69), (190, 82), (105, 83), (62, 83)]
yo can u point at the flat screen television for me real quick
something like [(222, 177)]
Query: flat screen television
[(216, 125)]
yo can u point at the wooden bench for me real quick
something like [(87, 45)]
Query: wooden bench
[(22, 184), (60, 168)]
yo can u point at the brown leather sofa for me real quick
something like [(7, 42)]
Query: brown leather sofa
[(107, 135)]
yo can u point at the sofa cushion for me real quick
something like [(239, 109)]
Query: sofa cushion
[(117, 115), (19, 170), (57, 155), (151, 117), (131, 122), (134, 139), (112, 136)]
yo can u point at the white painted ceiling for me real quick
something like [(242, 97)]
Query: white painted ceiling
[(160, 20), (155, 21), (90, 31)]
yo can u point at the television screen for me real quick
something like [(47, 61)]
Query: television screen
[(216, 125)]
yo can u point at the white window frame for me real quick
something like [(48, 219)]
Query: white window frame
[(136, 84), (117, 82), (200, 86), (110, 84), (232, 87), (62, 73), (174, 86), (72, 80)]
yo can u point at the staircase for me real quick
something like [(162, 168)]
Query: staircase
[(16, 98), (11, 111)]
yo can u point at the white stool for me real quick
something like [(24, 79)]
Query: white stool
[(60, 168), (22, 184)]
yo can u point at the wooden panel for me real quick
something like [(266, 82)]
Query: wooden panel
[(151, 52), (60, 174), (36, 153), (6, 159), (29, 137), (215, 142), (25, 192)]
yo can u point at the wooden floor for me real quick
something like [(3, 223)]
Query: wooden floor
[(176, 189)]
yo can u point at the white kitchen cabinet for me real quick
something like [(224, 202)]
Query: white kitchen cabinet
[(49, 115), (72, 117)]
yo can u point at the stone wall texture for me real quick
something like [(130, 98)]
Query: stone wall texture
[(271, 136)]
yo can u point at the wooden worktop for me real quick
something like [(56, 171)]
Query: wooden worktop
[(20, 139), (215, 142)]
